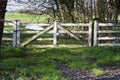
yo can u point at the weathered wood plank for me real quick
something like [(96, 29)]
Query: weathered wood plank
[(108, 38), (74, 24), (73, 31), (60, 31), (39, 39), (8, 31), (41, 46), (9, 24), (109, 31), (107, 24), (71, 45), (28, 32), (60, 45), (109, 44), (40, 24), (44, 39), (7, 39)]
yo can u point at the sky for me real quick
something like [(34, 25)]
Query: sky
[(13, 6)]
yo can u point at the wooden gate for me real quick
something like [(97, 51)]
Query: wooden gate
[(60, 28)]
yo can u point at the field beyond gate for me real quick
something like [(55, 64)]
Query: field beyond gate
[(62, 34)]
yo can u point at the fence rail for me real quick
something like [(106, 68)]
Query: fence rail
[(108, 31), (58, 28)]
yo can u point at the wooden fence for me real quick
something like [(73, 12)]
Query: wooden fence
[(111, 29), (55, 28)]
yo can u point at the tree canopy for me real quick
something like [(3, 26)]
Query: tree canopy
[(78, 10)]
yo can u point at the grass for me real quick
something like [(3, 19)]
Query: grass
[(8, 28), (27, 66), (39, 64), (27, 18), (11, 28)]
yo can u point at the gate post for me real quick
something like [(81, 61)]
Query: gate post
[(90, 35), (16, 34), (95, 33), (55, 34)]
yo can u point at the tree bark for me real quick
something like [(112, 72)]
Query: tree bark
[(90, 9), (3, 4)]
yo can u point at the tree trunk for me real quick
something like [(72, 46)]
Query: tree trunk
[(90, 9), (3, 4)]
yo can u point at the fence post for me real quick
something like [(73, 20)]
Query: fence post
[(90, 35), (16, 34), (95, 33), (55, 34)]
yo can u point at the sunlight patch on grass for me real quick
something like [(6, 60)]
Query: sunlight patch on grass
[(98, 71)]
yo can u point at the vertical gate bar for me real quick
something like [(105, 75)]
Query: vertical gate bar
[(55, 34), (18, 33), (95, 33), (14, 34)]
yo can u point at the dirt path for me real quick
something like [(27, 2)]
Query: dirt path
[(111, 73)]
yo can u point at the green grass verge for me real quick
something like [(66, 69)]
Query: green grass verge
[(31, 63), (27, 18)]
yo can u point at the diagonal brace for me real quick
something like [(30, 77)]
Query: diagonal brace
[(36, 36), (69, 32)]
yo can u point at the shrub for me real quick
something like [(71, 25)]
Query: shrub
[(23, 11)]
